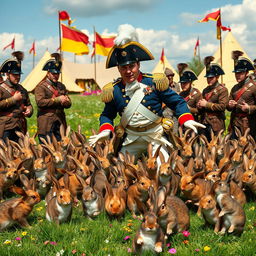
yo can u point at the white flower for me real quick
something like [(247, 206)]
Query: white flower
[(60, 252), (106, 241)]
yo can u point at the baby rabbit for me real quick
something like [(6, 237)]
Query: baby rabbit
[(17, 209)]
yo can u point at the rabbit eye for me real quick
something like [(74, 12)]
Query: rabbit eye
[(34, 197), (163, 206), (249, 176), (213, 175), (209, 201), (61, 196), (142, 183)]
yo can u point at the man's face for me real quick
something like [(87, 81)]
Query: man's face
[(14, 78), (212, 80), (129, 73), (54, 77), (241, 76), (170, 78), (185, 86)]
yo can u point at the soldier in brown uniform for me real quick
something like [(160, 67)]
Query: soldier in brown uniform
[(190, 94), (15, 105), (173, 85), (242, 98), (215, 99), (51, 98)]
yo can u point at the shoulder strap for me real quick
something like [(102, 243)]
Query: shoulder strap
[(55, 92), (241, 91), (8, 89)]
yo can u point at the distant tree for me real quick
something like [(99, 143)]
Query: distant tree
[(196, 65)]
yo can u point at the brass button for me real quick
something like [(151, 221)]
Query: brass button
[(154, 111), (124, 96), (123, 90), (144, 101), (149, 107), (127, 101)]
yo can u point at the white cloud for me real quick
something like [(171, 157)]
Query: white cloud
[(89, 8)]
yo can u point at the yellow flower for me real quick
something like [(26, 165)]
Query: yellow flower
[(129, 220), (252, 208), (39, 208), (32, 238), (82, 229), (24, 233), (96, 115), (7, 242), (207, 248)]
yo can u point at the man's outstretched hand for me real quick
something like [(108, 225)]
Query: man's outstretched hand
[(99, 137), (191, 124)]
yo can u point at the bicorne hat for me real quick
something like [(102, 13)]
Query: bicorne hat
[(13, 65), (241, 64), (54, 64), (186, 75), (126, 49), (212, 69)]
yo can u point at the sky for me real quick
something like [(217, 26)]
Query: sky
[(169, 24)]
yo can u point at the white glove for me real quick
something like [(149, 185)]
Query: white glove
[(193, 124), (104, 135)]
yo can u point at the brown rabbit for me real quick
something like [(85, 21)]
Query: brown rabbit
[(231, 212), (210, 160), (149, 236), (249, 176), (59, 202), (208, 208), (172, 212), (17, 209), (198, 159), (93, 203)]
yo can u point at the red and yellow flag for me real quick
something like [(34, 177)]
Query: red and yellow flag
[(63, 15), (196, 46), (211, 16), (12, 45), (162, 56), (33, 49), (103, 44), (73, 40)]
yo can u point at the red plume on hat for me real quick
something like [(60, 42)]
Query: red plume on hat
[(19, 55), (181, 67)]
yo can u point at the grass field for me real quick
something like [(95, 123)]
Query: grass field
[(103, 236)]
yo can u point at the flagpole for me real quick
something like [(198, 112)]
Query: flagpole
[(60, 42), (221, 49), (199, 50), (95, 70), (34, 54)]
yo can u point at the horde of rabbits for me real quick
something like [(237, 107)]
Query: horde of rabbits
[(216, 178)]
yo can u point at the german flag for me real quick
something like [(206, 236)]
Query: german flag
[(73, 40), (103, 44)]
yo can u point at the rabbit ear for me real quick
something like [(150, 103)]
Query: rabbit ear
[(150, 150), (181, 168), (156, 154), (18, 190), (198, 174), (152, 197), (190, 166), (161, 196), (245, 162), (24, 181), (66, 180), (161, 156), (109, 190), (81, 180), (238, 132)]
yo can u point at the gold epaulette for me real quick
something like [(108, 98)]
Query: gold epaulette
[(161, 81), (107, 93)]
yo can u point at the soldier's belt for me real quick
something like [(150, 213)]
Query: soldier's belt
[(145, 128)]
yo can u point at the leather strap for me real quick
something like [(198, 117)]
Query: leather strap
[(241, 91)]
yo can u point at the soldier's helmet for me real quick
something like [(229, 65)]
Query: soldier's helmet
[(212, 69), (54, 64), (186, 74), (127, 49), (241, 64), (13, 65)]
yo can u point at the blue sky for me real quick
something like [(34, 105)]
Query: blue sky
[(160, 23)]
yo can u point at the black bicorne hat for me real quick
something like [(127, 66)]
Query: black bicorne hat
[(186, 75), (54, 64), (13, 65), (241, 64), (212, 69)]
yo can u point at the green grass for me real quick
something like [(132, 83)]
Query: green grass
[(103, 236)]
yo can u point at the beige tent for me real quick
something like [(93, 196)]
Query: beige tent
[(160, 67), (37, 74), (229, 44), (73, 74)]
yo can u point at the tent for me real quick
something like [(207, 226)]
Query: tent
[(73, 74), (229, 44), (160, 67), (37, 74)]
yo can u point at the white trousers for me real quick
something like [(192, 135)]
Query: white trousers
[(139, 146)]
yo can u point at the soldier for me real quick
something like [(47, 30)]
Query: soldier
[(51, 99), (242, 98), (215, 98), (138, 98), (173, 85), (15, 105), (190, 94)]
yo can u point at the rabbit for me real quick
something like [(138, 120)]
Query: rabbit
[(93, 202), (249, 176), (172, 212), (210, 159), (149, 236), (137, 194), (59, 202), (231, 212), (198, 160), (16, 210), (208, 208)]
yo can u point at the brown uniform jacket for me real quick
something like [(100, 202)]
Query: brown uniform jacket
[(239, 118), (50, 108), (214, 111), (192, 97), (11, 111)]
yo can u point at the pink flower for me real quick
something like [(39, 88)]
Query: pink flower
[(53, 243), (168, 245), (73, 251), (46, 242), (197, 250), (129, 250), (127, 238), (18, 238), (172, 251), (186, 233)]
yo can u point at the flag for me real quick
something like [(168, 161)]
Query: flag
[(197, 44), (103, 44), (225, 28), (12, 44), (73, 40), (219, 25), (211, 16), (162, 56), (33, 49), (63, 15)]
